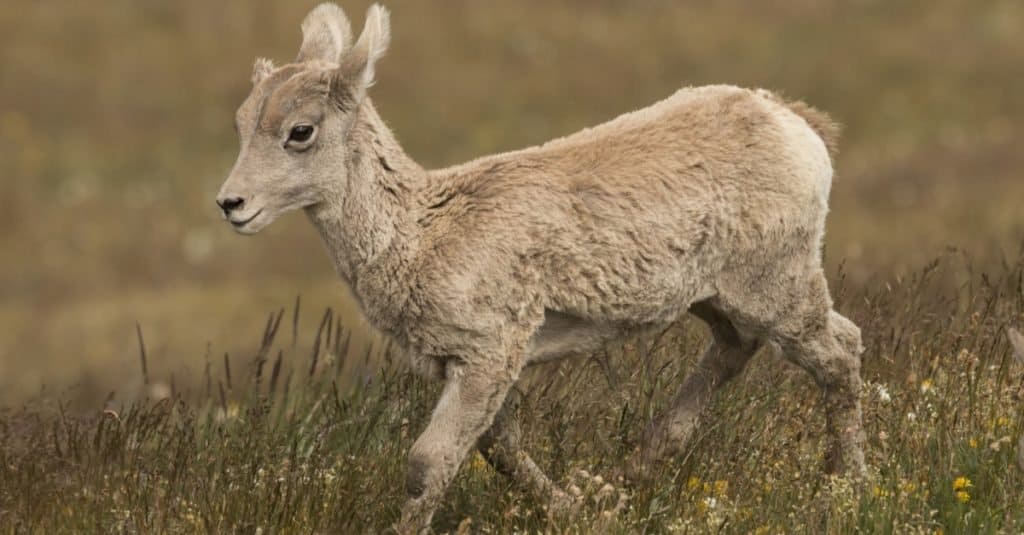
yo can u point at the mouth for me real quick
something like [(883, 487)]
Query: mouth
[(244, 222)]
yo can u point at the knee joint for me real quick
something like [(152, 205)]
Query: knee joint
[(846, 333), (416, 477)]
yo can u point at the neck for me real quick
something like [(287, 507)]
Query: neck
[(368, 217)]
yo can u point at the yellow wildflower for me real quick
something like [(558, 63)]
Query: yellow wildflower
[(880, 492), (693, 483), (926, 386), (721, 488), (478, 463), (973, 443), (962, 496), (962, 483)]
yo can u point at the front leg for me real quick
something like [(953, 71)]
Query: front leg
[(472, 395)]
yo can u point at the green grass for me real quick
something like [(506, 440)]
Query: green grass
[(273, 448), (116, 132)]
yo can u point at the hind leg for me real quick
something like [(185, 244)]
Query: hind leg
[(726, 355), (501, 446), (828, 346)]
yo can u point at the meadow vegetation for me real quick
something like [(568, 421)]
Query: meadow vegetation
[(292, 444), (116, 131)]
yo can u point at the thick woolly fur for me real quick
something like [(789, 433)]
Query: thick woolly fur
[(712, 201)]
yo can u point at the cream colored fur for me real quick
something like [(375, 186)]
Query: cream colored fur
[(712, 201)]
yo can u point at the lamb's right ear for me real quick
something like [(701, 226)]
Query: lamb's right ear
[(1017, 341), (326, 34)]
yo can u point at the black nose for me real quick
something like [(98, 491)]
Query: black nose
[(229, 204)]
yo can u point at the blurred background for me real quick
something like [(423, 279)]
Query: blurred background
[(116, 131)]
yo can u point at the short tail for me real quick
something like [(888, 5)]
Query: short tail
[(819, 121)]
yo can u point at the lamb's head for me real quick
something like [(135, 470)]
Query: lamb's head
[(295, 126)]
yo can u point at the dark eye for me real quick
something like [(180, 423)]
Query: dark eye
[(301, 133)]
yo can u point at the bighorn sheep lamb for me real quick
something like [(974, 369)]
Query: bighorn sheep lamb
[(712, 202)]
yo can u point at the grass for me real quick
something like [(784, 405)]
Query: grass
[(290, 444), (116, 132)]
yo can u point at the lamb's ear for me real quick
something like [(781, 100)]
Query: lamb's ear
[(1017, 341), (357, 66), (261, 69), (326, 34)]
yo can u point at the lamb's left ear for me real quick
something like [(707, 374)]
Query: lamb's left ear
[(261, 69), (357, 66), (326, 34)]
